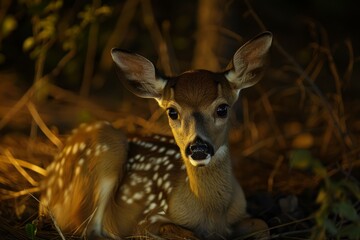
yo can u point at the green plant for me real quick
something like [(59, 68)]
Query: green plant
[(338, 214)]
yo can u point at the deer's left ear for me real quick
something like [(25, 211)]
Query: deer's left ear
[(138, 74), (247, 66)]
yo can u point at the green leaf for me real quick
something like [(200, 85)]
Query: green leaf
[(346, 210), (330, 226), (301, 159), (351, 231), (322, 197), (352, 187), (30, 230)]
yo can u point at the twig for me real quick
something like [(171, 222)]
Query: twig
[(157, 37), (116, 38), (274, 172), (68, 96), (279, 226), (257, 146), (61, 64), (56, 226), (25, 164), (156, 115), (286, 234), (19, 168), (19, 104), (350, 67), (11, 194), (269, 110), (90, 54), (86, 222), (34, 113)]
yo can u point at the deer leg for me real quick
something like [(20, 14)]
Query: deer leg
[(251, 228), (173, 231), (108, 169), (164, 230)]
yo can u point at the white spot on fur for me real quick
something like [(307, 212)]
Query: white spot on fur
[(147, 167), (148, 189), (82, 146), (166, 176), (159, 181), (169, 167), (57, 167), (75, 148), (138, 195), (156, 167), (151, 197), (68, 150), (89, 128), (104, 148), (170, 152), (62, 161), (81, 161), (160, 195), (88, 152), (156, 175), (152, 206), (167, 184), (60, 183), (77, 170)]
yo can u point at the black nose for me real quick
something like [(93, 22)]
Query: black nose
[(199, 149)]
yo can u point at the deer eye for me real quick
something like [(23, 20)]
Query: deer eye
[(172, 113), (222, 110)]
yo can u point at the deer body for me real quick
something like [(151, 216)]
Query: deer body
[(105, 184)]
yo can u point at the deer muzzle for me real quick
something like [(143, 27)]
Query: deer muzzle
[(199, 152)]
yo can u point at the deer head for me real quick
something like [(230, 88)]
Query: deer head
[(198, 103)]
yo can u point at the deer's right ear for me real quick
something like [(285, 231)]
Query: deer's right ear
[(138, 74)]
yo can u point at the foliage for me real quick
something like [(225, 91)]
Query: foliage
[(51, 33), (337, 215)]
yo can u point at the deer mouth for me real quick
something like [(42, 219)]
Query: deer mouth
[(199, 152)]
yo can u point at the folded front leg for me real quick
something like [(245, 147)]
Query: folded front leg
[(253, 228)]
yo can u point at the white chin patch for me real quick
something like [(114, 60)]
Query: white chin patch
[(199, 163)]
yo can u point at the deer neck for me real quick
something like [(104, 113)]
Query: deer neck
[(214, 181)]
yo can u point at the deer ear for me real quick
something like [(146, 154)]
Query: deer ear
[(248, 63), (138, 74)]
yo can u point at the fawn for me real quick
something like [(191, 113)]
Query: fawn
[(104, 184)]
